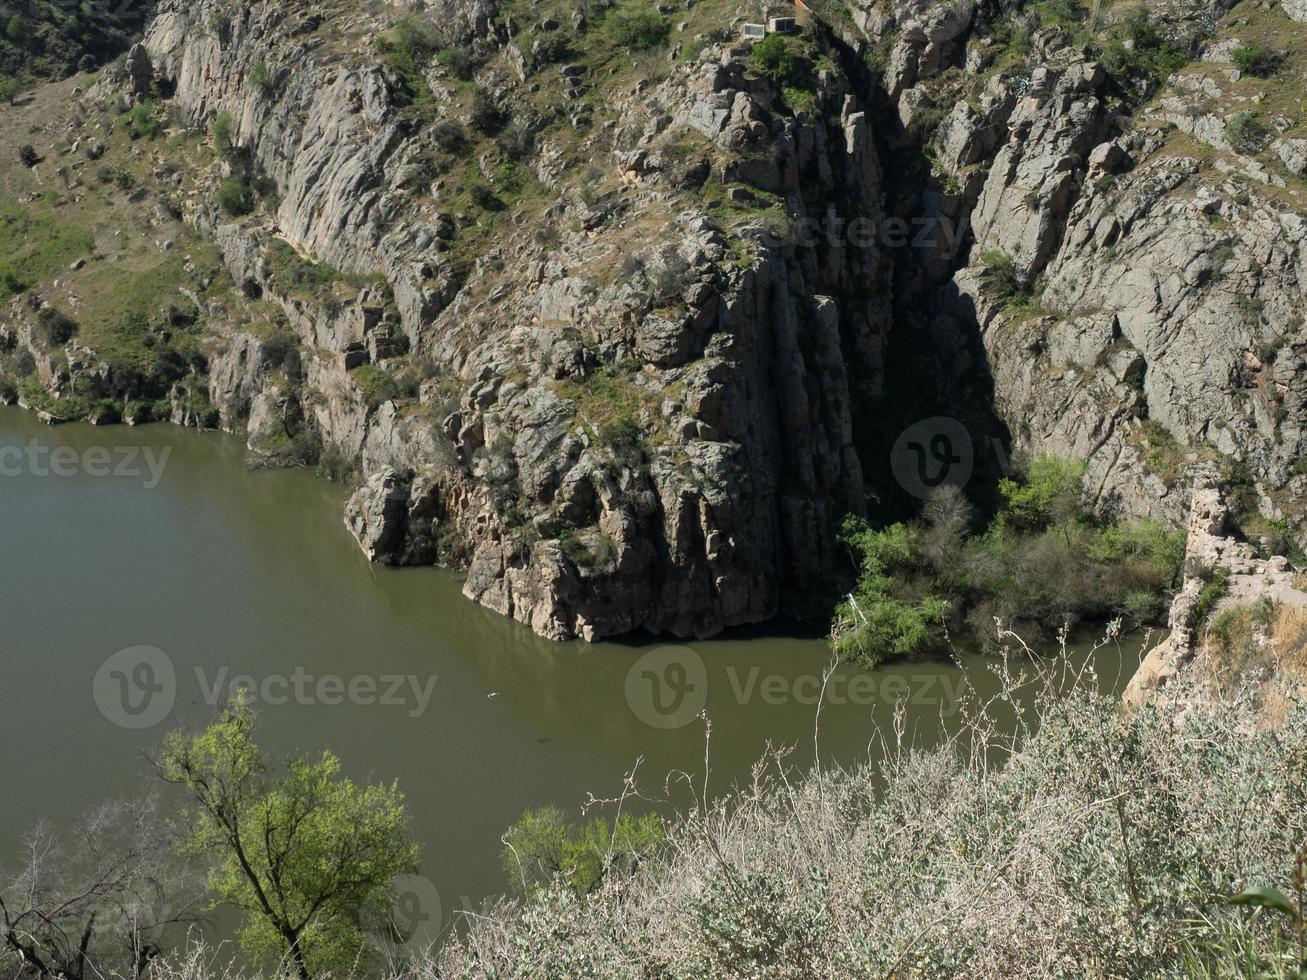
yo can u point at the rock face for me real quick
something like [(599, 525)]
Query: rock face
[(1211, 552), (703, 487), (647, 393)]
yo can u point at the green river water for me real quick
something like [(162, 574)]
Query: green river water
[(225, 572)]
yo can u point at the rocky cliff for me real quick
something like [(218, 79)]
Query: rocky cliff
[(577, 296)]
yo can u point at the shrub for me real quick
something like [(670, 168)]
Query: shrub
[(459, 62), (1001, 276), (1095, 842), (1253, 59), (224, 129), (1245, 133), (449, 136), (637, 28), (141, 122), (262, 79), (56, 328), (544, 848), (11, 282), (483, 197), (1050, 494), (878, 620), (375, 384), (778, 58), (27, 155), (235, 197), (486, 116), (551, 48)]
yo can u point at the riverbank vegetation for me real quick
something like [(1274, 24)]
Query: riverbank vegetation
[(1073, 838), (308, 857), (1099, 842), (1104, 844), (1043, 561)]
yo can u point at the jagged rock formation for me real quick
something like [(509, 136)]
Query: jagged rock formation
[(628, 402), (744, 401), (1211, 554)]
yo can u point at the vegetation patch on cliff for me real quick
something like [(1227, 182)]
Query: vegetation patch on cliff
[(1043, 562)]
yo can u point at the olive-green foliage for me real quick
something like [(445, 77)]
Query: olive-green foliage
[(637, 27), (544, 847), (887, 615), (1245, 133), (224, 130), (50, 39), (1049, 494), (56, 328), (412, 42), (1253, 59), (1001, 277), (1141, 51), (785, 61), (235, 197), (309, 856), (376, 384), (1043, 561), (141, 122)]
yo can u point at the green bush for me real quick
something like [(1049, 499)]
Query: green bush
[(637, 28), (1001, 276), (1044, 561), (224, 129), (1049, 494), (1253, 59), (459, 62), (375, 384), (235, 197), (778, 58), (56, 328), (544, 848), (485, 116), (1245, 133), (883, 617), (261, 78), (409, 46), (141, 122)]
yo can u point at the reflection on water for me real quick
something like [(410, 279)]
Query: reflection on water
[(250, 577)]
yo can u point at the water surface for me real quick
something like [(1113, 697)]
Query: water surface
[(231, 572)]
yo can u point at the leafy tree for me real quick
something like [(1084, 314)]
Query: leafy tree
[(638, 28), (309, 856), (235, 197), (1050, 495), (544, 846), (886, 615), (224, 128)]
